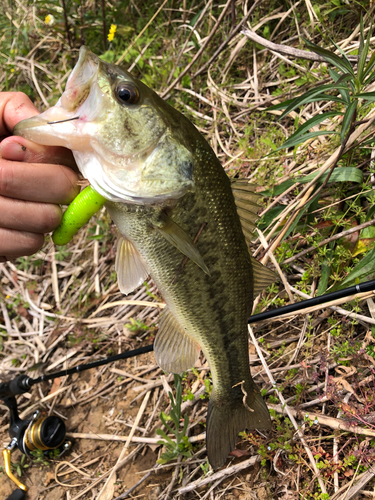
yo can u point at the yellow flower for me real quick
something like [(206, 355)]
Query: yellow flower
[(112, 31), (49, 20)]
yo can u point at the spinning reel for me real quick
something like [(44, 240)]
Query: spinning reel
[(48, 433), (38, 433)]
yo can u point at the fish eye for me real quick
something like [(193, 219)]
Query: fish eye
[(127, 93)]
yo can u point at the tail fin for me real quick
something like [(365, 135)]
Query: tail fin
[(225, 421)]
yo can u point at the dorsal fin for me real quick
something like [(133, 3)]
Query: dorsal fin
[(174, 351), (130, 267), (262, 276), (246, 200)]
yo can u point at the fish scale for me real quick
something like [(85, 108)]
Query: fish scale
[(164, 188)]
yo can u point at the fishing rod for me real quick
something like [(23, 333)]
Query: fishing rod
[(48, 433)]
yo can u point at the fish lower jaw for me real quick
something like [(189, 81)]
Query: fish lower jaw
[(132, 189)]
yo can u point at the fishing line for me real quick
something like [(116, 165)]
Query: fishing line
[(62, 121)]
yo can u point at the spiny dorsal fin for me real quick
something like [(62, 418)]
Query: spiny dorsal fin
[(179, 238), (262, 276), (246, 200), (130, 267), (174, 351)]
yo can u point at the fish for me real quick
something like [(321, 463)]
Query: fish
[(180, 220)]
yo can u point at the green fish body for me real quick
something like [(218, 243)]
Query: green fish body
[(180, 220)]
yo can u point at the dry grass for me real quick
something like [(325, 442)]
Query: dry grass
[(62, 307)]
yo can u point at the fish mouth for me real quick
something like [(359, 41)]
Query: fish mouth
[(44, 128)]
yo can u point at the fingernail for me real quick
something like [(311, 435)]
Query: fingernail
[(13, 151)]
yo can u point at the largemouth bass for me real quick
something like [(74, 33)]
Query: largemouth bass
[(180, 220)]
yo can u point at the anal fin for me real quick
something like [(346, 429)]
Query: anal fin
[(130, 267), (174, 351), (262, 276)]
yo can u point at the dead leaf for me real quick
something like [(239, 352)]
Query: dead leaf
[(55, 385)]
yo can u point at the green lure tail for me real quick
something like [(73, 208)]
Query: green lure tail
[(78, 213)]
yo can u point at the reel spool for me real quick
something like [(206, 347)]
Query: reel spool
[(39, 433)]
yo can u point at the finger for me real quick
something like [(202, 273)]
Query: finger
[(15, 244), (38, 182), (29, 216), (14, 107), (20, 149)]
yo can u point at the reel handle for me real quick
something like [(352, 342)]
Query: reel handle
[(17, 495)]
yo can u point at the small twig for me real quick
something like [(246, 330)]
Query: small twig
[(352, 491), (331, 422), (284, 49), (328, 240), (333, 305), (229, 471), (133, 488)]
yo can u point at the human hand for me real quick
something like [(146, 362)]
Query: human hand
[(34, 180)]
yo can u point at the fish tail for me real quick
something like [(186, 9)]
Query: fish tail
[(225, 419)]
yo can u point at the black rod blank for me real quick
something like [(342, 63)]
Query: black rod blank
[(367, 286)]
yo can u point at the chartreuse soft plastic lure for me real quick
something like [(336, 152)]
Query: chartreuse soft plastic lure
[(78, 213)]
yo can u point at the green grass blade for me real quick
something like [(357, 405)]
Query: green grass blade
[(366, 96), (324, 277), (281, 105), (336, 77), (369, 68), (294, 141), (362, 53), (347, 119), (340, 174), (341, 64), (344, 56), (306, 97), (315, 120), (327, 97)]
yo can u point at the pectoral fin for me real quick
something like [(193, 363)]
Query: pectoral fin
[(262, 276), (174, 351), (179, 238), (130, 267)]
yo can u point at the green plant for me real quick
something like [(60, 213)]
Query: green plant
[(350, 84), (17, 467), (39, 457), (205, 467), (181, 445), (137, 325)]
